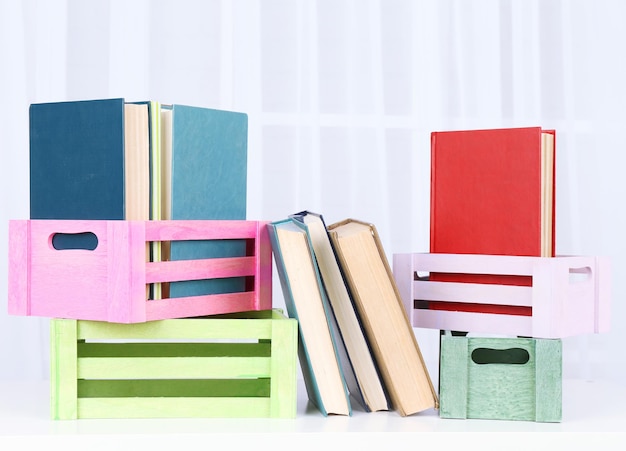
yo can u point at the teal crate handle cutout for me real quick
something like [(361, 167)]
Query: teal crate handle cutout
[(511, 356), (500, 378)]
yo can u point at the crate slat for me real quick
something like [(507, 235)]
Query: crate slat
[(173, 271), (190, 329), (173, 367)]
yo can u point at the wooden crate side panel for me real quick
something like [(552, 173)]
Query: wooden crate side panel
[(109, 283), (173, 407), (68, 283), (453, 377), (174, 271), (174, 388), (187, 329), (502, 391), (173, 367), (147, 378), (193, 306), (546, 321), (63, 369), (602, 323), (19, 268), (263, 280), (563, 303), (172, 349), (476, 264), (572, 298), (283, 377), (549, 378), (403, 274), (485, 323), (178, 230), (126, 281), (472, 293)]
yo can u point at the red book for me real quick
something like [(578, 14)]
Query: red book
[(492, 192)]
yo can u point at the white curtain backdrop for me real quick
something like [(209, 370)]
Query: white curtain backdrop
[(342, 96)]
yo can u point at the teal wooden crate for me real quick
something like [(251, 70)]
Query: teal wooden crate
[(227, 366), (500, 378)]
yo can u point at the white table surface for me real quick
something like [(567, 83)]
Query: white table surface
[(594, 414)]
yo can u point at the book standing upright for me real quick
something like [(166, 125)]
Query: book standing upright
[(204, 176), (89, 160)]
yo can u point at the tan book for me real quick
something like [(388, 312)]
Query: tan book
[(384, 319)]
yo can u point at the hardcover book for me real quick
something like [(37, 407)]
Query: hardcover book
[(89, 160), (204, 176), (384, 318), (362, 376), (492, 192), (305, 300)]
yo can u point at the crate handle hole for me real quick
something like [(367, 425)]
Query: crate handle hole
[(579, 275), (511, 356), (82, 240)]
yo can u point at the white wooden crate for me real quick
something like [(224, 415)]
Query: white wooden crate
[(569, 295)]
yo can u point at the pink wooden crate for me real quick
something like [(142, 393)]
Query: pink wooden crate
[(569, 295), (109, 282)]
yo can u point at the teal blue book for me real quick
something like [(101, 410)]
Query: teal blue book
[(306, 301), (204, 156), (80, 152)]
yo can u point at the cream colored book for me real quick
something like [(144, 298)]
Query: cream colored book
[(305, 300)]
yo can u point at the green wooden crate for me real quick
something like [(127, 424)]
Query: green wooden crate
[(500, 378), (227, 366)]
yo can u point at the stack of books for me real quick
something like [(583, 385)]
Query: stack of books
[(138, 248), (492, 283), (356, 342)]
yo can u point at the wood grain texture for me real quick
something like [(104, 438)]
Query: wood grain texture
[(529, 391), (63, 369), (19, 268), (569, 295), (109, 282), (228, 366)]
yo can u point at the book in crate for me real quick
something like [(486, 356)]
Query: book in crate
[(106, 279), (228, 366)]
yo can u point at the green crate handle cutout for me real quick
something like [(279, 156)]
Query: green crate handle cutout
[(511, 356)]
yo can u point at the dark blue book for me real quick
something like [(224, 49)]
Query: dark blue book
[(80, 152)]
